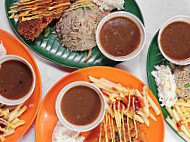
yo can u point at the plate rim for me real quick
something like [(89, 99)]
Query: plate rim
[(52, 60), (151, 86), (40, 82), (77, 71)]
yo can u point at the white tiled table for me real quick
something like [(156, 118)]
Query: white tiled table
[(155, 12)]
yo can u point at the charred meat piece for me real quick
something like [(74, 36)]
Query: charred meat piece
[(32, 28), (109, 132), (35, 15)]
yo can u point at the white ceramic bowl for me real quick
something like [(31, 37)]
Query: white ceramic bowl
[(136, 21), (171, 20), (23, 99), (77, 127)]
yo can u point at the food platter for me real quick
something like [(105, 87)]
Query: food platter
[(50, 48), (47, 118), (14, 47), (156, 58)]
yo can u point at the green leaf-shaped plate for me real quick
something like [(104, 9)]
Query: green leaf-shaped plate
[(50, 48), (156, 58)]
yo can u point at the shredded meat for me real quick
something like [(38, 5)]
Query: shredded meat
[(76, 28), (182, 77)]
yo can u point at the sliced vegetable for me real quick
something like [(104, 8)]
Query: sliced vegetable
[(47, 31), (187, 85), (88, 8)]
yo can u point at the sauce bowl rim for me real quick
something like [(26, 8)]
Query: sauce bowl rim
[(10, 102), (182, 18), (66, 123)]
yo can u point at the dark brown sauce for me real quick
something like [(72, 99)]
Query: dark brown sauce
[(120, 36), (15, 79), (81, 105), (175, 40)]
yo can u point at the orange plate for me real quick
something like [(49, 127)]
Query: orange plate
[(47, 119), (16, 47)]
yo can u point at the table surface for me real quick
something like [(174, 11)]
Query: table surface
[(155, 14)]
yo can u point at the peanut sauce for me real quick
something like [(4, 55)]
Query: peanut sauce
[(120, 36), (175, 40), (81, 105), (15, 79)]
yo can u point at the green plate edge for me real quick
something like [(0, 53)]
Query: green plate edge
[(155, 57), (73, 60)]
